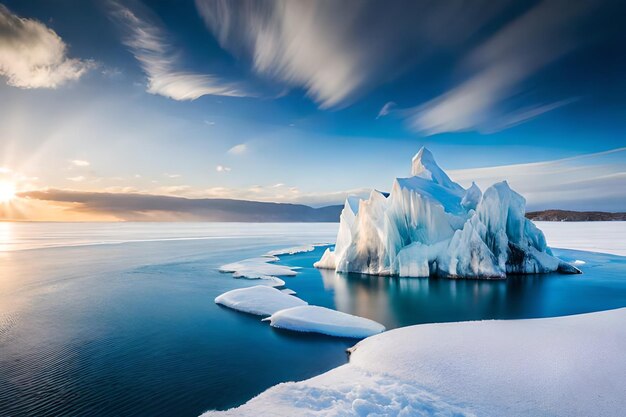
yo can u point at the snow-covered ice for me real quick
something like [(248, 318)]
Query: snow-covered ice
[(262, 267), (259, 300), (285, 310), (292, 251), (430, 225), (324, 320), (567, 366), (604, 237)]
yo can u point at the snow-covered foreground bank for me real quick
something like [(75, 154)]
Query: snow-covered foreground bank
[(565, 366), (604, 237)]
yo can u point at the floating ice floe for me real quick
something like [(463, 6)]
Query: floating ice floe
[(323, 320), (292, 250), (570, 366), (262, 267), (429, 225), (285, 310), (259, 300)]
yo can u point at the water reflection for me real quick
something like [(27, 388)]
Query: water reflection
[(397, 302), (6, 234)]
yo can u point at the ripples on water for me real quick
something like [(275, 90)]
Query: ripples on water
[(92, 326), (132, 329)]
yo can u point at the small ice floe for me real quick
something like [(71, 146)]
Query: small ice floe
[(292, 250), (579, 262), (260, 300), (288, 291), (324, 320), (262, 267)]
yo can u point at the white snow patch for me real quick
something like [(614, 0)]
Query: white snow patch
[(288, 291), (324, 320), (262, 267), (568, 366), (603, 237), (292, 250), (259, 300), (579, 262)]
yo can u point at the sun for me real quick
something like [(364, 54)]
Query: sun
[(7, 191)]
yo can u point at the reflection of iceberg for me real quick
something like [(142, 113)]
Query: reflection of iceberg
[(430, 225)]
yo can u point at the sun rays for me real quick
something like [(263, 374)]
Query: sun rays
[(7, 191)]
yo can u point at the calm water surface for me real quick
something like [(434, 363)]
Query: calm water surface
[(119, 319)]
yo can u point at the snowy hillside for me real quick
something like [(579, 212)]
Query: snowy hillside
[(430, 225)]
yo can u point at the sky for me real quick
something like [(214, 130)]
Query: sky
[(307, 101)]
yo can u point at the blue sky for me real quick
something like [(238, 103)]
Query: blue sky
[(307, 101)]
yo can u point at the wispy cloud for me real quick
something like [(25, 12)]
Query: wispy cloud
[(296, 42), (522, 115), (386, 109), (238, 149), (222, 168), (80, 163), (594, 181), (79, 178), (161, 62), (336, 50), (33, 56), (497, 70)]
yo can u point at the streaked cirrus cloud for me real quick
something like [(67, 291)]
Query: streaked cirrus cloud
[(238, 149), (595, 181), (33, 56), (336, 50), (160, 61), (497, 70)]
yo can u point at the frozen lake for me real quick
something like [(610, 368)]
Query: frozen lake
[(120, 319)]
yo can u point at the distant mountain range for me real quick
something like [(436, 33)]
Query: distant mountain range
[(575, 216), (147, 207)]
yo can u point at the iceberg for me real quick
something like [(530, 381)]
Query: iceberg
[(324, 320), (428, 225), (260, 300)]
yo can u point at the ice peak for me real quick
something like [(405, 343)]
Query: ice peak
[(424, 166), (421, 162)]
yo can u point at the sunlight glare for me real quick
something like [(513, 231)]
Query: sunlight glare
[(7, 191)]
